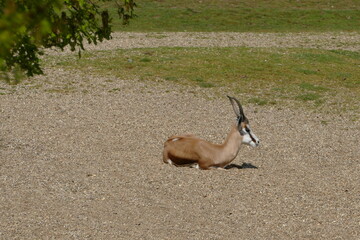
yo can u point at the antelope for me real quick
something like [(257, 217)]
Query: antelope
[(188, 150)]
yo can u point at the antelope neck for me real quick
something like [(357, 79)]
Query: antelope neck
[(233, 140)]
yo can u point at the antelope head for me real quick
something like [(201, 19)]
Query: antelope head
[(248, 137)]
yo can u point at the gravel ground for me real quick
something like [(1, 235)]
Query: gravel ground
[(328, 40), (86, 164)]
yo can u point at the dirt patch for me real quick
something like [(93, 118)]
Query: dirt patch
[(327, 40), (86, 163)]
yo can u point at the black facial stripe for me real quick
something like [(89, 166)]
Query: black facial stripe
[(252, 138), (247, 130)]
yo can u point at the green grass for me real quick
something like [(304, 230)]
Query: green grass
[(308, 97), (310, 87), (202, 83), (243, 16), (264, 75), (259, 101)]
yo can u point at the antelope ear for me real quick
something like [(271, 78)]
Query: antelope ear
[(237, 107)]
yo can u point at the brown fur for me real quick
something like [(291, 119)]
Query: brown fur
[(188, 149)]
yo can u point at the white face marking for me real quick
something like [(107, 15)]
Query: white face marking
[(249, 138)]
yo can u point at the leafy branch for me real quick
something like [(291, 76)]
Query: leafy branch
[(28, 26)]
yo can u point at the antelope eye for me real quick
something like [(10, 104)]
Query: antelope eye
[(247, 129)]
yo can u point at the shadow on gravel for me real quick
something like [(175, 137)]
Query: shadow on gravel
[(242, 166)]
